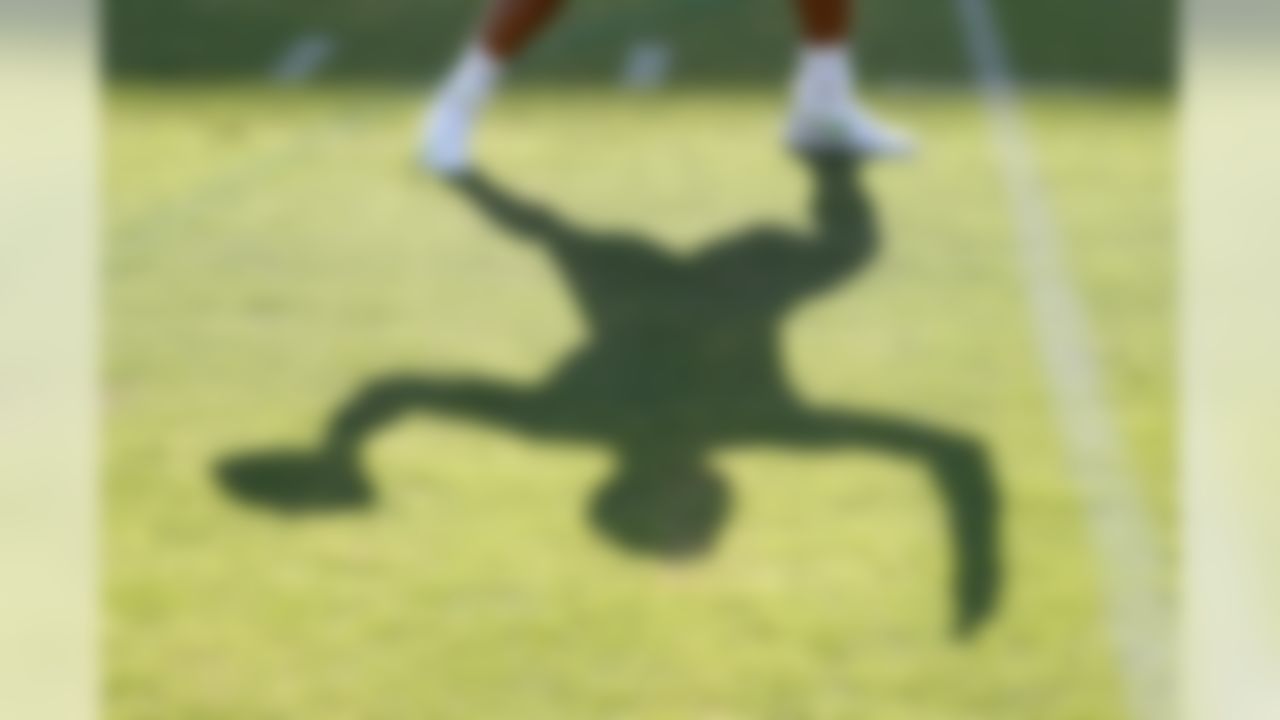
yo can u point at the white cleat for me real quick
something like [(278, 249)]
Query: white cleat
[(846, 130), (445, 146)]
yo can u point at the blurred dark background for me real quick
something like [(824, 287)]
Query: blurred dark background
[(1095, 42)]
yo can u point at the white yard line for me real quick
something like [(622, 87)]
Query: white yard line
[(1138, 604)]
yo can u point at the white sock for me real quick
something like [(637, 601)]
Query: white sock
[(473, 78), (824, 77)]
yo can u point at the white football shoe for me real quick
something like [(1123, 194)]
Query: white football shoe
[(845, 129), (445, 146), (446, 137)]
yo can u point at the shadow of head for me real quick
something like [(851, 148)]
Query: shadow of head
[(294, 482), (663, 505)]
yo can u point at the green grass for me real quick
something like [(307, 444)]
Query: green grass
[(269, 252)]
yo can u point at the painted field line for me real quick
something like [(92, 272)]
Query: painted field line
[(1139, 607)]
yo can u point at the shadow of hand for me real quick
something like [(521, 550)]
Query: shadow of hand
[(295, 482)]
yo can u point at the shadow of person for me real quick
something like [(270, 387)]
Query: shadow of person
[(683, 357)]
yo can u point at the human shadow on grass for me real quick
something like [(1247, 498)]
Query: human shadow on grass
[(683, 357)]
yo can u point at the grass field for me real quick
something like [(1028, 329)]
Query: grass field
[(273, 250)]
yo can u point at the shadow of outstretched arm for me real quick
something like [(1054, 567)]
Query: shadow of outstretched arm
[(331, 478), (960, 473), (386, 400)]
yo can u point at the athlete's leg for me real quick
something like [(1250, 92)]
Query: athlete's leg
[(825, 22), (827, 114), (507, 28), (510, 25)]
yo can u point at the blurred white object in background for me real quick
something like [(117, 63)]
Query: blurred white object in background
[(647, 65), (304, 58)]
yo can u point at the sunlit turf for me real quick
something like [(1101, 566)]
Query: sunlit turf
[(270, 251)]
